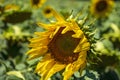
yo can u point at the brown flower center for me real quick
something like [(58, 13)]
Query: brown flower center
[(62, 47), (47, 11), (101, 5), (35, 1)]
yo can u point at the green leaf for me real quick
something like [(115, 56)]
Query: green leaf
[(17, 74)]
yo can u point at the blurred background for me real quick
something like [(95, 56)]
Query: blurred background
[(18, 20)]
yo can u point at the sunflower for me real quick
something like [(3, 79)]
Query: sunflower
[(62, 45), (37, 3), (17, 17), (11, 7), (47, 12), (101, 8)]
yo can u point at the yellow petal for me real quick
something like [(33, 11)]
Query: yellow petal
[(45, 60), (68, 72), (58, 16), (67, 28), (56, 68), (77, 49), (43, 34), (78, 34), (44, 67), (39, 42), (38, 50), (75, 66), (47, 67), (55, 31), (83, 40), (75, 25), (45, 26), (86, 46)]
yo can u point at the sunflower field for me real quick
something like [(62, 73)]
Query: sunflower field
[(59, 39)]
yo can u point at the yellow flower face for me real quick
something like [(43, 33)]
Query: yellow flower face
[(63, 46), (37, 3), (101, 8), (47, 12)]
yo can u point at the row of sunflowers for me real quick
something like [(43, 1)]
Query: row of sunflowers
[(59, 40)]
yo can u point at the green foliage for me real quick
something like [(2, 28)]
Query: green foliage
[(18, 26)]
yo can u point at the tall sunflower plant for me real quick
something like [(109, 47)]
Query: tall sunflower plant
[(63, 46)]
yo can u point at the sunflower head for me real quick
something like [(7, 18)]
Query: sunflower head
[(48, 12), (37, 3), (63, 45), (64, 51), (17, 17), (101, 8)]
